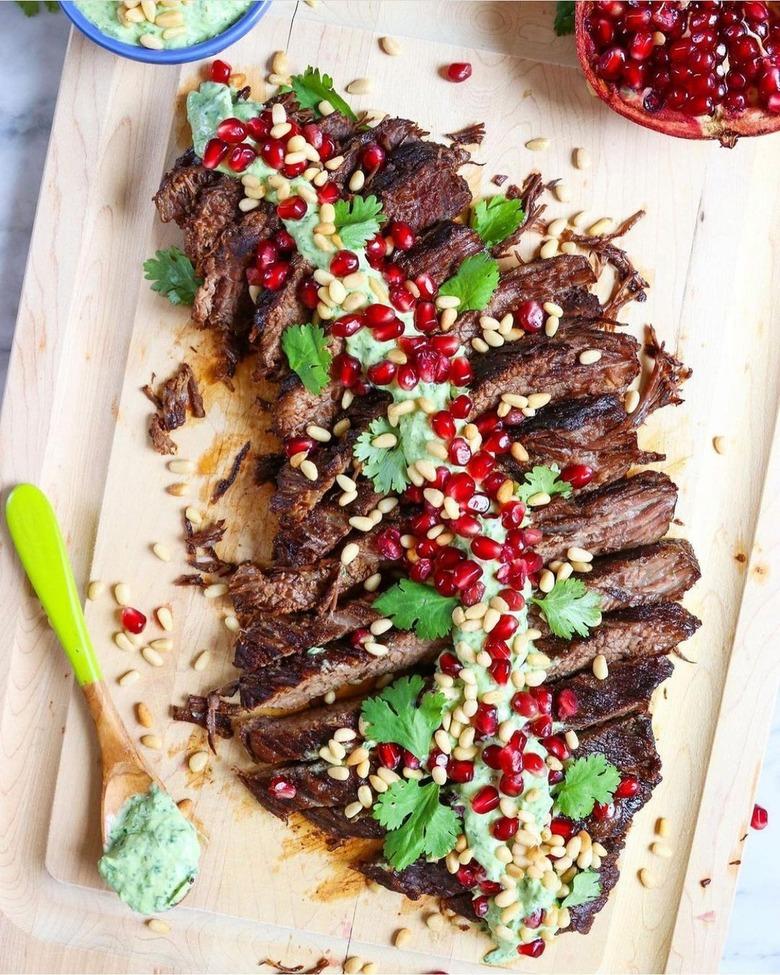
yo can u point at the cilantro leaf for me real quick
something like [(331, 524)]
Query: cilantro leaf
[(395, 715), (543, 480), (496, 218), (386, 466), (31, 8), (172, 275), (308, 355), (359, 220), (570, 607), (585, 887), (586, 782), (474, 284), (311, 88), (413, 605), (564, 17), (418, 823)]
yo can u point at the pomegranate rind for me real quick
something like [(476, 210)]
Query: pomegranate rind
[(726, 129)]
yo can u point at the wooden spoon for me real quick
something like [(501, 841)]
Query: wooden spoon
[(39, 543)]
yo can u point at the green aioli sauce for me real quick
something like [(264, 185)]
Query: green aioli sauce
[(152, 856), (206, 108), (202, 19)]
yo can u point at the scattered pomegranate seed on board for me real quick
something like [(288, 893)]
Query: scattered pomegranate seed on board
[(760, 817)]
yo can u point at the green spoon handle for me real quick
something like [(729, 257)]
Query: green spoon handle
[(41, 548)]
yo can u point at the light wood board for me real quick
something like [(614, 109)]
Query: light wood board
[(91, 333)]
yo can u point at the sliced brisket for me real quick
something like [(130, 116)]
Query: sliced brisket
[(661, 572)]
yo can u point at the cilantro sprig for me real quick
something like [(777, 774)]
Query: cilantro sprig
[(586, 782), (173, 276), (564, 17), (585, 887), (413, 605), (31, 8), (570, 607), (543, 480), (496, 218), (311, 88), (307, 354), (474, 284), (396, 715), (386, 466), (359, 220), (417, 823)]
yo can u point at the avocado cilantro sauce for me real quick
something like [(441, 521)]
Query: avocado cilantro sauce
[(152, 855), (480, 783), (173, 23)]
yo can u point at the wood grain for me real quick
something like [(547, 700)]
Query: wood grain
[(90, 333)]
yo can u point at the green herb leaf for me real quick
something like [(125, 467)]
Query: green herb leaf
[(386, 466), (474, 284), (172, 275), (307, 354), (31, 8), (359, 220), (570, 607), (564, 17), (311, 88), (418, 823), (395, 715), (496, 218), (413, 605), (543, 480), (586, 782), (585, 887)]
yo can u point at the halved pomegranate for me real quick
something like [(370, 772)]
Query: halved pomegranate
[(698, 70)]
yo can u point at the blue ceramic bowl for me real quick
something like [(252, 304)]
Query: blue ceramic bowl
[(178, 55)]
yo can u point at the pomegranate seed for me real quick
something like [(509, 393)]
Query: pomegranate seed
[(376, 249), (566, 705), (407, 377), (603, 811), (425, 286), (410, 760), (533, 763), (391, 330), (327, 149), (232, 131), (760, 817), (460, 770), (459, 452), (465, 574), (611, 63), (556, 746), (491, 756), (466, 526), (214, 153), (293, 208), (500, 671), (449, 664), (378, 315), (480, 905), (578, 475), (512, 784), (461, 372), (420, 570), (425, 319), (133, 620), (401, 299), (275, 275), (373, 157), (562, 826), (240, 157), (382, 373), (313, 135), (473, 595), (402, 234), (486, 719), (486, 800), (514, 600), (393, 274), (220, 71), (542, 726), (343, 263), (284, 241), (461, 406), (267, 253), (389, 754), (307, 292), (485, 548), (629, 786), (347, 325), (328, 193), (345, 369), (443, 424), (298, 445), (458, 71), (273, 152), (280, 788), (505, 828), (388, 544), (480, 465), (532, 949), (467, 875), (257, 128), (479, 503), (525, 703)]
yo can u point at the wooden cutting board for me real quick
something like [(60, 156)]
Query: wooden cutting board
[(91, 333)]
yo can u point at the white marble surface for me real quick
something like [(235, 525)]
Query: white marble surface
[(31, 53)]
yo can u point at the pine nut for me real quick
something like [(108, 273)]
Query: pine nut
[(123, 641), (128, 678), (353, 965), (562, 191), (719, 443), (548, 249), (551, 326), (202, 660), (164, 617), (353, 809), (373, 582), (600, 667), (555, 228), (362, 523), (662, 827), (537, 145), (198, 761), (402, 937), (309, 470), (152, 657), (122, 594), (631, 400), (553, 309), (447, 319), (329, 697), (95, 589), (589, 357), (360, 86), (144, 715), (537, 400), (162, 552), (385, 441), (546, 581), (149, 8), (215, 590), (349, 553), (568, 247), (151, 41), (447, 301), (151, 741), (646, 879), (375, 649), (232, 624), (339, 772), (390, 46), (577, 554), (279, 63), (318, 433), (171, 18), (157, 925), (582, 158), (539, 499), (164, 643), (662, 850), (181, 467), (193, 516), (602, 226)]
